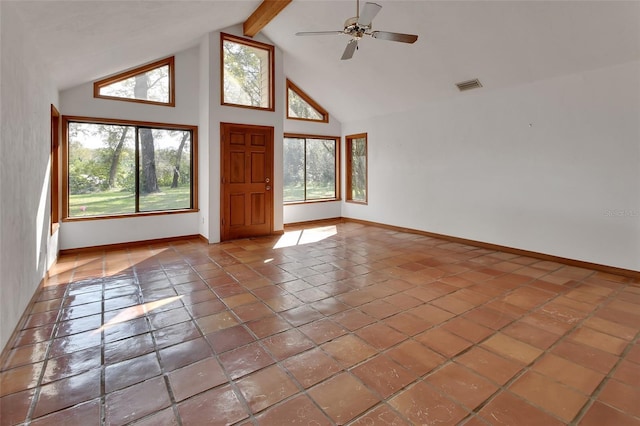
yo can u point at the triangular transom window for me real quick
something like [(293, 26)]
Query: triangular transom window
[(152, 83), (300, 106)]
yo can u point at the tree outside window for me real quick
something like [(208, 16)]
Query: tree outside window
[(310, 168), (247, 68), (120, 168), (357, 168), (301, 106), (152, 83)]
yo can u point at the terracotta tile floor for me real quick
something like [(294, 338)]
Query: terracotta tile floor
[(338, 324)]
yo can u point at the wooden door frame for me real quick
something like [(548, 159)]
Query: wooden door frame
[(271, 129)]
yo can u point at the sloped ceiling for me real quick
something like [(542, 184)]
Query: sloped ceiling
[(85, 40), (503, 43)]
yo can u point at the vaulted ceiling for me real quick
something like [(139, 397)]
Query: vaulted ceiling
[(503, 43)]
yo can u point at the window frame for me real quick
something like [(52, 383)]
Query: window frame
[(349, 164), (170, 61), (291, 86), (258, 45), (54, 174), (66, 119), (337, 140)]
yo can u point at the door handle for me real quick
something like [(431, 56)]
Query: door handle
[(268, 187)]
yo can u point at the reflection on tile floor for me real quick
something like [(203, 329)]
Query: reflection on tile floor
[(342, 324)]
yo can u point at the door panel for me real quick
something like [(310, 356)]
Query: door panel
[(236, 169), (247, 169), (236, 138), (257, 209), (258, 161), (257, 140), (236, 209)]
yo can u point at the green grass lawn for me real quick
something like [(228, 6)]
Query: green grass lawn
[(296, 193), (107, 203)]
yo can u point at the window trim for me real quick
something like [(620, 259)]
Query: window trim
[(258, 45), (170, 61), (66, 119), (54, 174), (348, 160), (291, 86), (337, 139)]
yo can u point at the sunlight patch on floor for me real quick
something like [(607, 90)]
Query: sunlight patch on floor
[(137, 311), (307, 236)]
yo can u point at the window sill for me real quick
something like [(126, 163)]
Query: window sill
[(228, 104), (129, 215), (297, 203)]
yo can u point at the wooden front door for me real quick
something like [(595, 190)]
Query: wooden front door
[(247, 181)]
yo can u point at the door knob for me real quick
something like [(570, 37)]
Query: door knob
[(268, 187)]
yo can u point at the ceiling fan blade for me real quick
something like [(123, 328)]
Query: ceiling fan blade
[(314, 33), (350, 49), (369, 11), (403, 38)]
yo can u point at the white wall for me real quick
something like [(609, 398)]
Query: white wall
[(26, 247), (79, 101), (294, 213), (551, 167), (204, 135)]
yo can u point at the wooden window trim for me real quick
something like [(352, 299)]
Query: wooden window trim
[(348, 160), (337, 139), (170, 61), (65, 165), (307, 99), (252, 43), (55, 169)]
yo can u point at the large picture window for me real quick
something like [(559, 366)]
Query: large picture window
[(118, 167), (311, 168), (247, 73), (357, 168)]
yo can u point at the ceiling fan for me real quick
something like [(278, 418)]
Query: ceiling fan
[(360, 26)]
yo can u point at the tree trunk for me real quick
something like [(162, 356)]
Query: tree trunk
[(359, 170), (148, 177), (115, 160), (141, 87), (176, 168)]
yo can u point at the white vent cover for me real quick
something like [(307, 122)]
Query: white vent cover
[(468, 85)]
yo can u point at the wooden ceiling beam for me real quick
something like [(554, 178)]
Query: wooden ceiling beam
[(267, 10)]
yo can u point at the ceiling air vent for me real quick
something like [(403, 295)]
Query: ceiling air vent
[(468, 85)]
